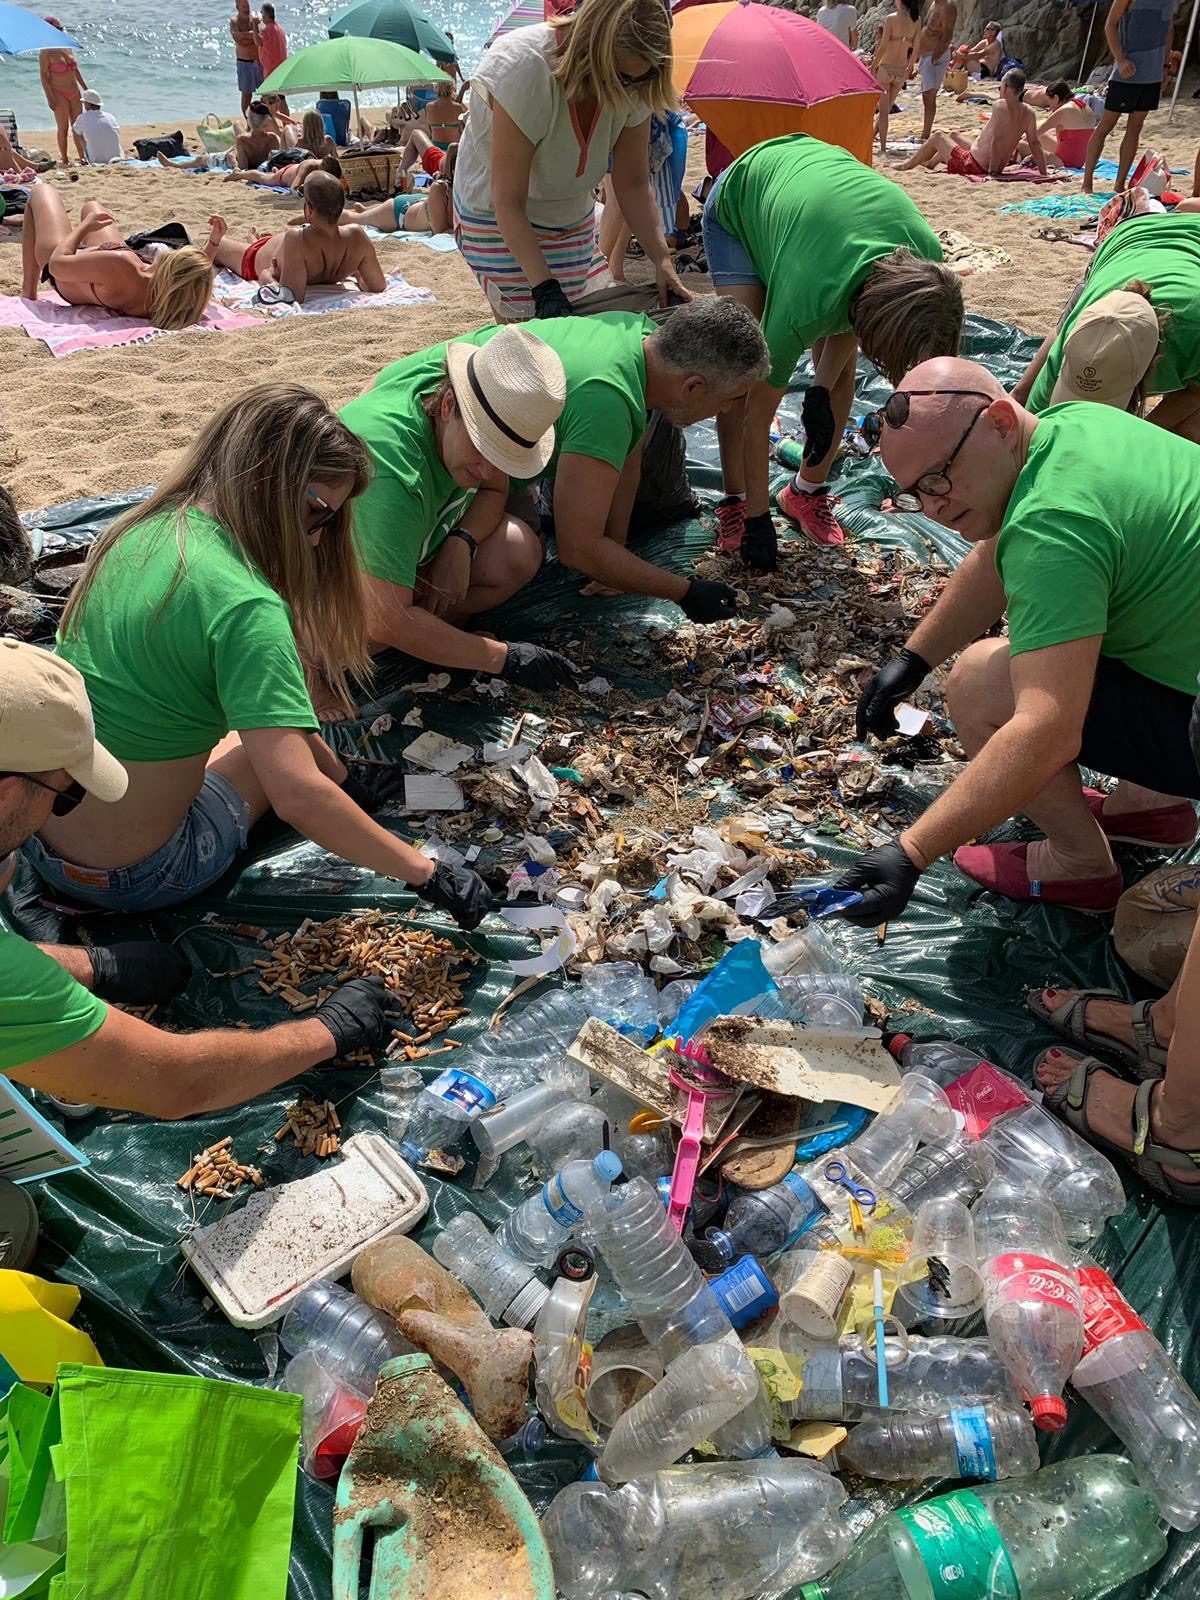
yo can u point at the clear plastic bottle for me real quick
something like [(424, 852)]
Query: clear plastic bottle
[(960, 1170), (537, 1230), (719, 1531), (621, 994), (671, 996), (1080, 1182), (701, 1390), (763, 1222), (1073, 1531), (1033, 1313), (922, 1115), (668, 1296), (507, 1289), (564, 1085), (942, 1060), (992, 1441), (841, 1384), (494, 1068), (573, 1130), (351, 1338), (1132, 1384)]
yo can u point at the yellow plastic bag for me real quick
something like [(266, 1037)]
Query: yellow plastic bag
[(35, 1329)]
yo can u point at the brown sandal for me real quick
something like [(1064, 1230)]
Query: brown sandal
[(1144, 1061)]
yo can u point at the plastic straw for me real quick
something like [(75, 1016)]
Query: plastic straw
[(880, 1346)]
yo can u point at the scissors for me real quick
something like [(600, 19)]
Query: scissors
[(837, 1172)]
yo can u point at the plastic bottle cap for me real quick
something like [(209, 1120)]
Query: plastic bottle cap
[(523, 1309), (607, 1165), (898, 1043), (1049, 1412)]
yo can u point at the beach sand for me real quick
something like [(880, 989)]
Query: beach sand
[(109, 420)]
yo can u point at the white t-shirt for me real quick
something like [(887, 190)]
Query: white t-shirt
[(101, 136), (838, 20), (516, 73)]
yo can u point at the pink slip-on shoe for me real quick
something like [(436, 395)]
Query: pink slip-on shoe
[(813, 514), (1002, 869), (731, 523), (1165, 826)]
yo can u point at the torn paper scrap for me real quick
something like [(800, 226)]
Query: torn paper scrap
[(437, 752), (542, 919), (432, 792), (912, 720)]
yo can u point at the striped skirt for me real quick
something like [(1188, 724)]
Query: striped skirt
[(572, 255)]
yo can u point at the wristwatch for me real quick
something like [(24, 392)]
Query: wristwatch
[(471, 544)]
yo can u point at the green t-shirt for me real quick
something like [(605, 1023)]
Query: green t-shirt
[(42, 1008), (814, 220), (169, 671), (412, 502), (1165, 253), (1102, 536)]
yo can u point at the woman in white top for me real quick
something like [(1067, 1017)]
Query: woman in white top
[(552, 107)]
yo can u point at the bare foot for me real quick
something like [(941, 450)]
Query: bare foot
[(599, 591), (1109, 1019), (1110, 1108)]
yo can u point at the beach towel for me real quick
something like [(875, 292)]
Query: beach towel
[(964, 256), (1020, 175), (67, 329), (444, 243), (238, 295)]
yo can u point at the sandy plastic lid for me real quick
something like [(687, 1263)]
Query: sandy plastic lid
[(1049, 1412)]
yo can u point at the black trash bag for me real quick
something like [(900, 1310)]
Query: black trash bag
[(170, 144), (173, 234), (287, 158)]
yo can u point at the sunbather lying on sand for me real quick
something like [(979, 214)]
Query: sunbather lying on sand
[(322, 251)]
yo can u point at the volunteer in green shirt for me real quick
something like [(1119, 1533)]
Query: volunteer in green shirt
[(1131, 329), (434, 537), (831, 255), (57, 1033), (1086, 527), (189, 628)]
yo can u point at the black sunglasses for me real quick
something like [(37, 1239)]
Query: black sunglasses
[(894, 412), (326, 512), (627, 82), (65, 800)]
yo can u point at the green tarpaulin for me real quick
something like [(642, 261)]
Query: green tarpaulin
[(967, 958)]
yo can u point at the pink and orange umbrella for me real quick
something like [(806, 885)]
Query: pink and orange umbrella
[(754, 72)]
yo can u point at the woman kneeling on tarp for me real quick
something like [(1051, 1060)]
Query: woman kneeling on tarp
[(188, 627)]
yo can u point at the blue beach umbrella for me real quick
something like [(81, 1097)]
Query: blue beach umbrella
[(21, 32)]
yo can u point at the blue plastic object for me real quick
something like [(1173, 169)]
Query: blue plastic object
[(745, 1291), (739, 976)]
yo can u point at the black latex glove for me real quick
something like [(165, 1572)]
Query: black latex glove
[(886, 878), (354, 1015), (708, 602), (760, 544), (549, 299), (534, 667), (371, 786), (817, 416), (460, 891), (877, 703), (141, 973)]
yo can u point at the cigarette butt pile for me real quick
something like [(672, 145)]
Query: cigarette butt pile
[(315, 1125), (217, 1174)]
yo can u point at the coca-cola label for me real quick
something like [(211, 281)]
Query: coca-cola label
[(1106, 1312), (982, 1095), (1018, 1276)]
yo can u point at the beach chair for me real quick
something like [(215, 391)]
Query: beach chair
[(8, 121)]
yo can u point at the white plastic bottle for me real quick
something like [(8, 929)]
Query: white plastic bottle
[(621, 994), (1033, 1312), (537, 1230), (701, 1390), (992, 1441), (506, 1288), (959, 1170)]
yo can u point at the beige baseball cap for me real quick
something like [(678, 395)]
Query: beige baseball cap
[(46, 721), (510, 392), (1109, 350)]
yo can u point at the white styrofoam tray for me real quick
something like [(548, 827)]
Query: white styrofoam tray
[(255, 1261)]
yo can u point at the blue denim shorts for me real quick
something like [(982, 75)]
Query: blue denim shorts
[(728, 259), (204, 846)]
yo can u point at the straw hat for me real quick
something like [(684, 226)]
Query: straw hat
[(1109, 350), (510, 391)]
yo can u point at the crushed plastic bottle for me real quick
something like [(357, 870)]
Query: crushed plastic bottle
[(721, 1531), (1033, 1312), (562, 1360), (1132, 1384), (959, 1170), (351, 1339), (507, 1289), (1077, 1529), (1080, 1182), (537, 1230), (701, 1390), (763, 1222), (571, 1131), (841, 1384), (992, 1441), (922, 1115), (621, 994)]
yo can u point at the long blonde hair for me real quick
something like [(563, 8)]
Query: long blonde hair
[(312, 132), (593, 36), (251, 466), (180, 288)]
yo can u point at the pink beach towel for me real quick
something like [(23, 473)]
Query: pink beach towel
[(65, 329)]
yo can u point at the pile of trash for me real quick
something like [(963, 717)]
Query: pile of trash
[(767, 1261)]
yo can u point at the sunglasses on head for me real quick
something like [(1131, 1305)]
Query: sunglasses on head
[(65, 800), (894, 414)]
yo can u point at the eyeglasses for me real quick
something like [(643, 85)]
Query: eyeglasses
[(628, 82), (65, 800), (325, 512), (894, 413)]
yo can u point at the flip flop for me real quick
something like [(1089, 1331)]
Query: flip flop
[(1145, 1060), (1149, 1159)]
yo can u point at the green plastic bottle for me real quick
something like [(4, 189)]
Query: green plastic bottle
[(1069, 1532)]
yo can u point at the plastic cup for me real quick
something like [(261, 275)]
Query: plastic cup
[(812, 1285), (623, 1372), (511, 1123), (945, 1282)]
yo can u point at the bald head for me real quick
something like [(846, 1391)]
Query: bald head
[(324, 193)]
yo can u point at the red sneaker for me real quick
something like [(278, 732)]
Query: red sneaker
[(1165, 826), (1002, 869), (812, 513), (731, 523)]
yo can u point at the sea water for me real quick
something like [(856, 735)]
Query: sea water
[(157, 61)]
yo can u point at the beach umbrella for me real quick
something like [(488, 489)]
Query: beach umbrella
[(397, 21), (352, 63), (753, 72), (22, 32), (523, 15)]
